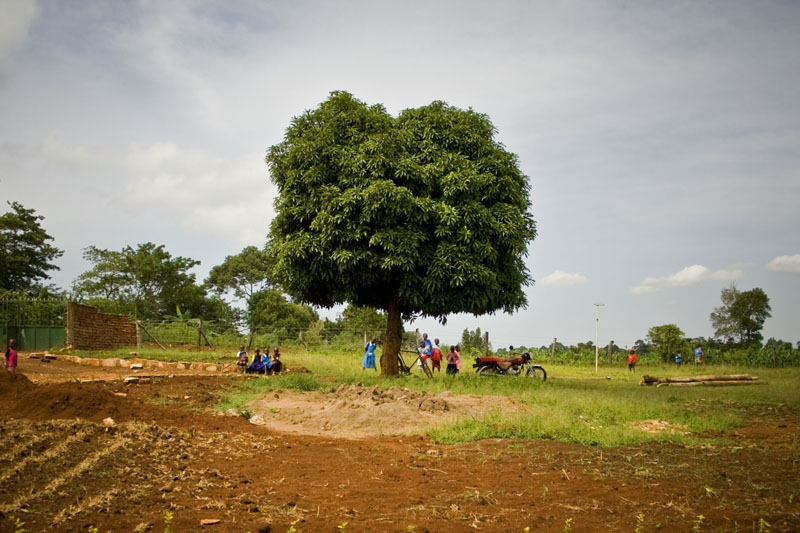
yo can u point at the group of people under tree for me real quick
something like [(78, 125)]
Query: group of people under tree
[(263, 363), (426, 350)]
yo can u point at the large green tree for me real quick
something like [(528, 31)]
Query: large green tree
[(26, 255), (244, 274), (741, 315), (269, 312), (146, 281), (422, 214), (667, 340)]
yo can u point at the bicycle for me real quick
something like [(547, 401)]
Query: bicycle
[(406, 369)]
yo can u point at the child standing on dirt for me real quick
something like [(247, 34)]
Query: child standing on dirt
[(241, 359), (632, 360), (452, 361), (436, 356), (11, 356)]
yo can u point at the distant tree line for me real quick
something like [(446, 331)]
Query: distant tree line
[(241, 297)]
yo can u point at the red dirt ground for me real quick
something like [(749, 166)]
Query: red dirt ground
[(62, 469)]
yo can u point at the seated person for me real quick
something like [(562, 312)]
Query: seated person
[(277, 366), (257, 366), (241, 359)]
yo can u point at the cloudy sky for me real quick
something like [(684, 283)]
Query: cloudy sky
[(662, 140)]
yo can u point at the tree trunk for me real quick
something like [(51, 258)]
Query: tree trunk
[(392, 339)]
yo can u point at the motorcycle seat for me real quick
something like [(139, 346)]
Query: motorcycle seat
[(501, 361)]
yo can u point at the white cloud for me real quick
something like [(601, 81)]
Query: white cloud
[(785, 263), (14, 26), (204, 192), (691, 275), (561, 278)]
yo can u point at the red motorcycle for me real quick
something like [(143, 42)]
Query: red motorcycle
[(516, 366)]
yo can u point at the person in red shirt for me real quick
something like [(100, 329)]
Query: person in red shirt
[(436, 356), (632, 360)]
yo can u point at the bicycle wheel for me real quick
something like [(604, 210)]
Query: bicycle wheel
[(537, 372)]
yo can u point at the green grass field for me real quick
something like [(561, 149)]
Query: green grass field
[(574, 405)]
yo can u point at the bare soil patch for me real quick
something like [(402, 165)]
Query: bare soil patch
[(354, 411), (61, 469)]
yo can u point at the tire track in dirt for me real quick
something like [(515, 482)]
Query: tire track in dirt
[(60, 480), (51, 453)]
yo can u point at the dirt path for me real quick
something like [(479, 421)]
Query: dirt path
[(61, 469), (353, 412)]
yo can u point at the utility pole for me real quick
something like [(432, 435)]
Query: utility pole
[(596, 330)]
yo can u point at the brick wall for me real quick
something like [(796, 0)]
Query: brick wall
[(89, 329)]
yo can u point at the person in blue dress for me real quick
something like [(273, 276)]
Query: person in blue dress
[(369, 355), (257, 366)]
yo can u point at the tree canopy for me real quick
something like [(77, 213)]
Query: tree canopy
[(147, 282), (741, 315), (270, 312), (26, 255), (244, 274), (423, 214), (667, 340)]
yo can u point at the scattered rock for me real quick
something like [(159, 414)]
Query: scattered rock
[(109, 362), (209, 521), (167, 488), (121, 394), (50, 356), (133, 354), (34, 356), (108, 421), (131, 380), (136, 366)]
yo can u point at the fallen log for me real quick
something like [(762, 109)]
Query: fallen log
[(722, 383), (721, 379)]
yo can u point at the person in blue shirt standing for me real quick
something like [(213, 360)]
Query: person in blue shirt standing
[(369, 355), (698, 355), (678, 359)]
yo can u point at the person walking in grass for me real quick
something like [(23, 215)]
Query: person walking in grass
[(632, 360), (436, 356), (369, 355), (11, 356), (452, 361)]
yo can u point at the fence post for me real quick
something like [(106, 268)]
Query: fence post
[(553, 349), (486, 342)]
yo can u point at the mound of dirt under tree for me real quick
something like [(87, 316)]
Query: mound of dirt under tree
[(355, 411)]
